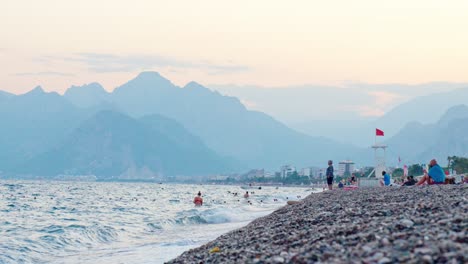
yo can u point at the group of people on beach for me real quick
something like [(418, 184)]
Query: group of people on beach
[(330, 176), (434, 175)]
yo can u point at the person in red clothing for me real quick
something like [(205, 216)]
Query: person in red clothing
[(198, 201)]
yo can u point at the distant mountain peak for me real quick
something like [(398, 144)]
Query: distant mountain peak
[(146, 74), (91, 87), (455, 112), (195, 86), (150, 76), (147, 80), (37, 90), (457, 109)]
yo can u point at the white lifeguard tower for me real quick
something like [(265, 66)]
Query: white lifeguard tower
[(380, 151), (380, 157)]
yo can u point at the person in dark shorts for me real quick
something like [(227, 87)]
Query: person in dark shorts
[(410, 181), (329, 175), (353, 179)]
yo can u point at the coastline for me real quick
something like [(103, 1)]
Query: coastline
[(375, 225)]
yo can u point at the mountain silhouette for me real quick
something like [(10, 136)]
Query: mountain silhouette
[(113, 145), (418, 142), (32, 123), (88, 95)]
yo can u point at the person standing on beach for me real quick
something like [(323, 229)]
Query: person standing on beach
[(329, 175)]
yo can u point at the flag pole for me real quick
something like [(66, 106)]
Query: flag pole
[(375, 138)]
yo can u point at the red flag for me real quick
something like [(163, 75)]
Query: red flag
[(379, 132)]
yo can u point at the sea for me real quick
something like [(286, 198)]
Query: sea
[(110, 222)]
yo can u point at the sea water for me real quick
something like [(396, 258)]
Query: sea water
[(95, 222)]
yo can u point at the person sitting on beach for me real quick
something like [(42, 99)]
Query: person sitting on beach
[(386, 179), (449, 180), (464, 179), (198, 201), (329, 175), (246, 195), (410, 181), (435, 175), (340, 184)]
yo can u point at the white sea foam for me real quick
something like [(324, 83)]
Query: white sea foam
[(79, 222)]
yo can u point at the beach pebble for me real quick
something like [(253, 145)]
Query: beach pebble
[(423, 251), (365, 225), (278, 259), (384, 261), (406, 223)]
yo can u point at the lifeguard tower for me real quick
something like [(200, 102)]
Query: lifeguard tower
[(380, 152)]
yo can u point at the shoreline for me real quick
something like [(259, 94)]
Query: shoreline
[(373, 225)]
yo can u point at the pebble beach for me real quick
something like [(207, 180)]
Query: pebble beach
[(418, 224)]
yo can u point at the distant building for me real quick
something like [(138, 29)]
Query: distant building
[(345, 167), (255, 174), (305, 172), (317, 173), (287, 170), (219, 178)]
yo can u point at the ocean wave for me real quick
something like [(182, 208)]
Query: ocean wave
[(213, 216), (56, 222)]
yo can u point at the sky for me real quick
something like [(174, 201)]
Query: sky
[(281, 44)]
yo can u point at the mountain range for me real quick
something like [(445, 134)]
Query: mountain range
[(113, 145), (418, 142), (148, 126), (350, 113), (151, 128)]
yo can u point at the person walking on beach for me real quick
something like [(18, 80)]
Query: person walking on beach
[(198, 201), (329, 175)]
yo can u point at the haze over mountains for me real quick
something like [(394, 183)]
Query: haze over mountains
[(445, 137), (222, 122), (350, 113), (150, 128)]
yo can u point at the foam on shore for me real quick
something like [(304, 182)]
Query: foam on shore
[(380, 225)]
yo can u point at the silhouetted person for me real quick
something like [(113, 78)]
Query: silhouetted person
[(329, 175)]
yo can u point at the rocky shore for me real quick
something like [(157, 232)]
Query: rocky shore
[(379, 225)]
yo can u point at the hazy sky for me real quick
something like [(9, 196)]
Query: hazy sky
[(57, 43)]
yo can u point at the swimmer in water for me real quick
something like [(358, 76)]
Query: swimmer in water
[(198, 200), (246, 195)]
